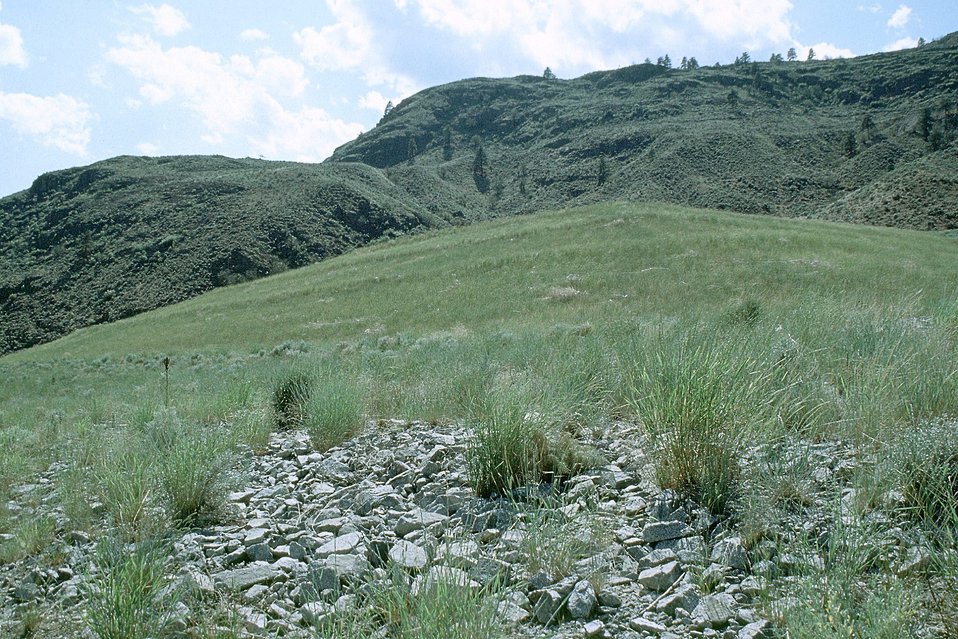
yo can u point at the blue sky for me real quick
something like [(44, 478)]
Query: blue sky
[(292, 80)]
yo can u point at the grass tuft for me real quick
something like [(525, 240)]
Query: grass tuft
[(334, 413), (290, 397)]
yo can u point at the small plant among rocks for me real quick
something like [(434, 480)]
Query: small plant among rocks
[(290, 397), (333, 414)]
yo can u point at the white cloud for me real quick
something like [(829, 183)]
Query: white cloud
[(147, 148), (824, 51), (60, 121), (871, 8), (166, 20), (236, 99), (11, 46), (900, 18), (902, 43), (577, 34), (374, 101), (252, 35), (346, 44)]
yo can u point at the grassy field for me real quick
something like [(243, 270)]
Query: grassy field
[(716, 331)]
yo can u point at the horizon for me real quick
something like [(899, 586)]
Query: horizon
[(295, 83)]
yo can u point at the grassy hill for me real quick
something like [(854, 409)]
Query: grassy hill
[(119, 237), (866, 140), (797, 332)]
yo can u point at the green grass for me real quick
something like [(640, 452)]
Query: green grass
[(715, 331)]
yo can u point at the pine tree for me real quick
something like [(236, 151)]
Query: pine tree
[(792, 55), (811, 55)]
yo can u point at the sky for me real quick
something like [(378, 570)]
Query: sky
[(294, 79)]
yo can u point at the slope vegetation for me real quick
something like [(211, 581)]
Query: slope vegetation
[(868, 140)]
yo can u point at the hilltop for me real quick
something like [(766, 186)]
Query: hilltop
[(867, 140)]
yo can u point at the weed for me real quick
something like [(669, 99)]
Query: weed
[(290, 397), (554, 542), (124, 480), (125, 595), (927, 467), (29, 537), (333, 414), (692, 398), (193, 478)]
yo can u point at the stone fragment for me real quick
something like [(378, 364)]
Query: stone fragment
[(417, 519), (685, 596), (594, 628), (730, 552), (547, 606), (243, 578), (509, 612), (340, 545), (663, 530), (408, 555), (259, 552), (581, 601), (660, 577), (714, 611), (646, 625), (761, 629), (315, 611)]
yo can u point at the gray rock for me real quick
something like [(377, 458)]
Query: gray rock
[(760, 629), (243, 578), (664, 530), (408, 555), (417, 519), (255, 536), (511, 613), (315, 612), (581, 601), (646, 625), (259, 552), (660, 577), (547, 606), (594, 628), (916, 561), (444, 576), (685, 596), (349, 568), (714, 611), (340, 545), (731, 552)]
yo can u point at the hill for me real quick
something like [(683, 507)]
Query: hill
[(126, 235), (537, 404), (871, 135), (867, 140)]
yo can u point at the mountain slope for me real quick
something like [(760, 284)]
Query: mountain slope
[(786, 138), (98, 243), (867, 140)]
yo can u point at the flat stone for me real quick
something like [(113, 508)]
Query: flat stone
[(660, 577), (341, 545), (646, 625), (761, 629), (347, 567), (259, 552), (417, 519), (594, 628), (243, 578), (730, 552), (685, 596), (714, 611), (314, 612), (511, 613), (255, 536), (581, 601), (663, 530), (408, 555)]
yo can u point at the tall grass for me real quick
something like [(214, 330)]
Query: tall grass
[(700, 401), (125, 596)]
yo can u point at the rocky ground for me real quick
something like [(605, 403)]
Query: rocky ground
[(616, 556)]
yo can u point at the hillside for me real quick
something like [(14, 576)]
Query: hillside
[(600, 421), (788, 139), (119, 237), (868, 140)]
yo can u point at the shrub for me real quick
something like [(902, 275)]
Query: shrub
[(290, 397), (333, 414), (125, 595)]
